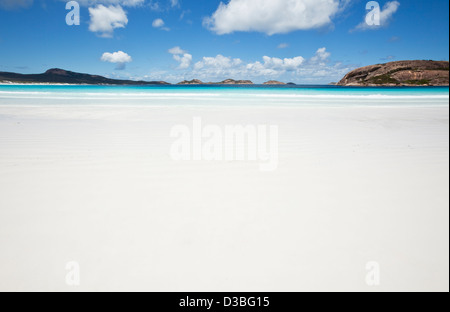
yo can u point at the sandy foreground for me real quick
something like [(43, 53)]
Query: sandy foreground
[(96, 185)]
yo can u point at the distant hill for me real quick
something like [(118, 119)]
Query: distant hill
[(236, 82), (57, 75), (274, 82), (401, 73), (191, 82)]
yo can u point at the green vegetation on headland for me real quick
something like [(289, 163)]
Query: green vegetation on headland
[(383, 80), (422, 82)]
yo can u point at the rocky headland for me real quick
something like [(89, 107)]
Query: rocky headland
[(401, 73)]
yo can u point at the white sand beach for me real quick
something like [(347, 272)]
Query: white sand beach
[(95, 184)]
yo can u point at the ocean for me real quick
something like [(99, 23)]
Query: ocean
[(222, 95)]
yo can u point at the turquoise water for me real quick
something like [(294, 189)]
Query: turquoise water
[(308, 90), (217, 95)]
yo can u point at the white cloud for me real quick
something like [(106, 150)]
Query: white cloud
[(176, 50), (273, 16), (182, 57), (119, 58), (283, 46), (157, 23), (316, 69), (116, 57), (219, 64), (321, 56), (386, 14), (273, 66), (15, 4), (174, 3), (154, 6), (184, 60), (105, 19)]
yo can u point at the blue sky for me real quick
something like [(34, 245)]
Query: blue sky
[(303, 41)]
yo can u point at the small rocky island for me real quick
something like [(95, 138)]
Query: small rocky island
[(231, 82), (401, 73), (191, 82), (225, 82), (274, 83), (236, 82)]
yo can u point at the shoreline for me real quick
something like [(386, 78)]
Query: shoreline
[(284, 86)]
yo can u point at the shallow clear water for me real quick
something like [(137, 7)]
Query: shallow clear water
[(221, 95)]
